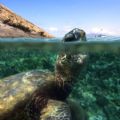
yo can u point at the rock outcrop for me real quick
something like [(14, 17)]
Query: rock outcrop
[(12, 25), (75, 34)]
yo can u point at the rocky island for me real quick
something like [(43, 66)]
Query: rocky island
[(12, 25)]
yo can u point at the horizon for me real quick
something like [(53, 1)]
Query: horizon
[(58, 17)]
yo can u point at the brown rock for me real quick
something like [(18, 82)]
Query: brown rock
[(12, 25)]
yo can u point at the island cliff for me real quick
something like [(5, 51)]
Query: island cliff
[(12, 25)]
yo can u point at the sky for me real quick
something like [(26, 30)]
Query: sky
[(59, 16)]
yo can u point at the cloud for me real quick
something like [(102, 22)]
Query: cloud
[(59, 31), (105, 31), (67, 28), (52, 29), (62, 30)]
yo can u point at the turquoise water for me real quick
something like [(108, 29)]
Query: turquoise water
[(98, 88), (110, 44)]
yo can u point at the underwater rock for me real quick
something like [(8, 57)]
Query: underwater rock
[(75, 35)]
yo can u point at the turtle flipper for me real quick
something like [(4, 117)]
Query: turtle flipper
[(78, 113), (56, 110)]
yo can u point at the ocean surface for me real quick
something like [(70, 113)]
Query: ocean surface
[(97, 91), (93, 44)]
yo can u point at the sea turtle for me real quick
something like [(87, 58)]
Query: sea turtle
[(41, 95)]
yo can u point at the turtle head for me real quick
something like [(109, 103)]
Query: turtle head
[(69, 65)]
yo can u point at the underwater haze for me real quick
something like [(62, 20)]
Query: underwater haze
[(97, 91)]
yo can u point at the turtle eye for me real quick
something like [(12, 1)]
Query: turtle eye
[(79, 59), (63, 59)]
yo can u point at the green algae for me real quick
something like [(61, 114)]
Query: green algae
[(98, 89)]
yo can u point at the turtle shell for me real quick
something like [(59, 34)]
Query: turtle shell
[(16, 90)]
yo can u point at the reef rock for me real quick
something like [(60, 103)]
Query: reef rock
[(12, 25), (76, 34)]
